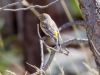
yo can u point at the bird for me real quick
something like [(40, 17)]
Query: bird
[(50, 28)]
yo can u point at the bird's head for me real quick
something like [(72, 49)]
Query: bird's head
[(44, 16)]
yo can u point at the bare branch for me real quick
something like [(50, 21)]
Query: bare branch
[(64, 44), (42, 57), (74, 41), (9, 5), (13, 73), (54, 49), (27, 8), (37, 70), (51, 56), (42, 53), (79, 22), (49, 60)]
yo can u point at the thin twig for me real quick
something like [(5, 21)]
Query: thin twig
[(54, 49), (42, 53), (95, 48), (52, 54), (79, 22), (74, 41), (13, 73), (37, 70), (91, 69), (27, 8), (9, 5), (42, 57)]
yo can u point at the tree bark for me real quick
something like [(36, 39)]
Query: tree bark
[(91, 14)]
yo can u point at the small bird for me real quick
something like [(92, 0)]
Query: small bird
[(50, 28)]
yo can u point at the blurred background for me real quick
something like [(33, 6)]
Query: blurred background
[(19, 41)]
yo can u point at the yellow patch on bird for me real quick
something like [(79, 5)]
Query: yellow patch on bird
[(55, 33)]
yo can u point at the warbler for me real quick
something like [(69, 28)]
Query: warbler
[(50, 28)]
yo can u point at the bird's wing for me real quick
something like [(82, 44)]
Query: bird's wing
[(48, 30)]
